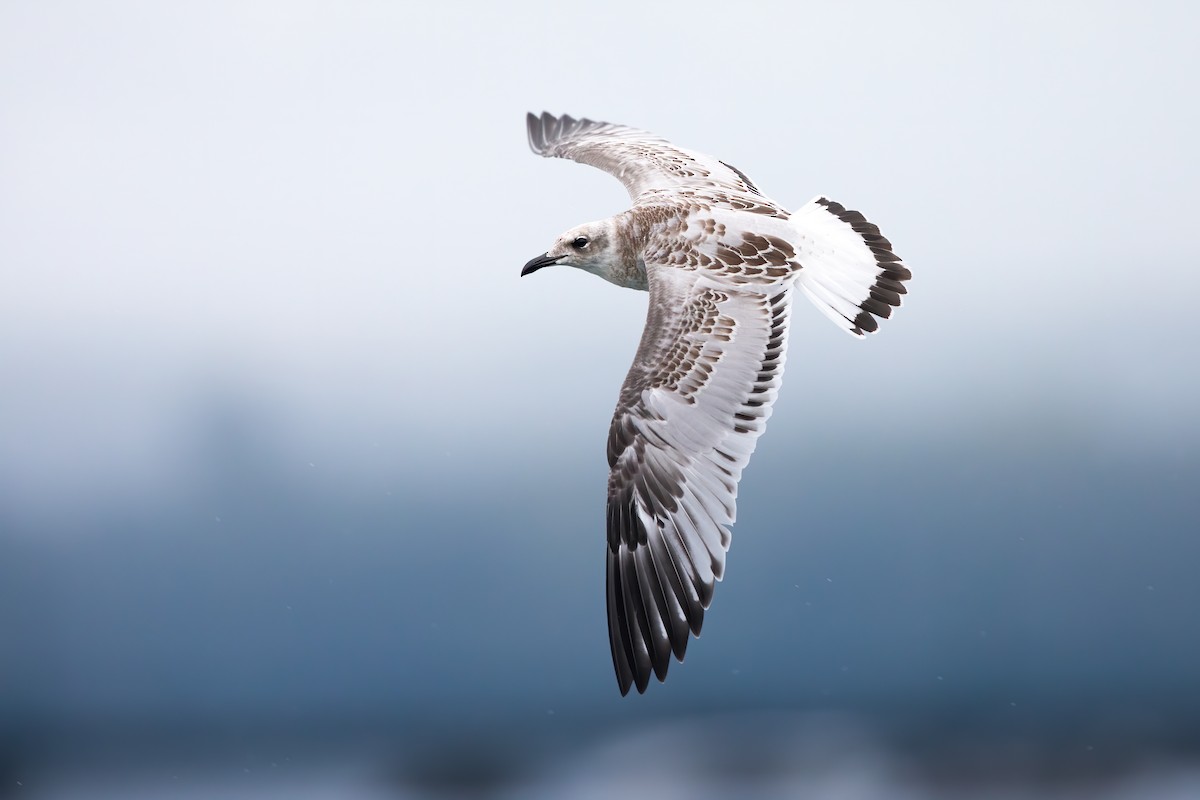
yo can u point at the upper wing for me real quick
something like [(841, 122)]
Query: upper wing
[(696, 398), (640, 160)]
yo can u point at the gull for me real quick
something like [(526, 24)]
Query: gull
[(721, 262)]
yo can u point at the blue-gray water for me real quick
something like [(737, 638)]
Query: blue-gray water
[(1003, 610)]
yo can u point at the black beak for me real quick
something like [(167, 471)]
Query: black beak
[(535, 264)]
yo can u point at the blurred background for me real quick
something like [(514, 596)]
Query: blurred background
[(301, 488)]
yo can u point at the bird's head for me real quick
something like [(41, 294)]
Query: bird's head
[(590, 247)]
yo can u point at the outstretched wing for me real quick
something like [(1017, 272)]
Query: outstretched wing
[(640, 160), (696, 398)]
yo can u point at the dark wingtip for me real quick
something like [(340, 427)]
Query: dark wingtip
[(545, 129), (549, 126), (679, 647), (622, 654), (533, 125)]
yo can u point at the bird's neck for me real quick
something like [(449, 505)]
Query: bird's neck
[(627, 267)]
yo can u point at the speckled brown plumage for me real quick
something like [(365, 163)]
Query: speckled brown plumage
[(721, 262)]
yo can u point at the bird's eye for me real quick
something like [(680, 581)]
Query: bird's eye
[(580, 242)]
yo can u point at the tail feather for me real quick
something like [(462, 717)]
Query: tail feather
[(848, 268)]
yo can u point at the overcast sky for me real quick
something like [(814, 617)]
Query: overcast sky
[(321, 210)]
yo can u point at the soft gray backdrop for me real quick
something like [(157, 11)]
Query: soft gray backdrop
[(284, 438)]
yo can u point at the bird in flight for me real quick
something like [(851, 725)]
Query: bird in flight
[(721, 262)]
